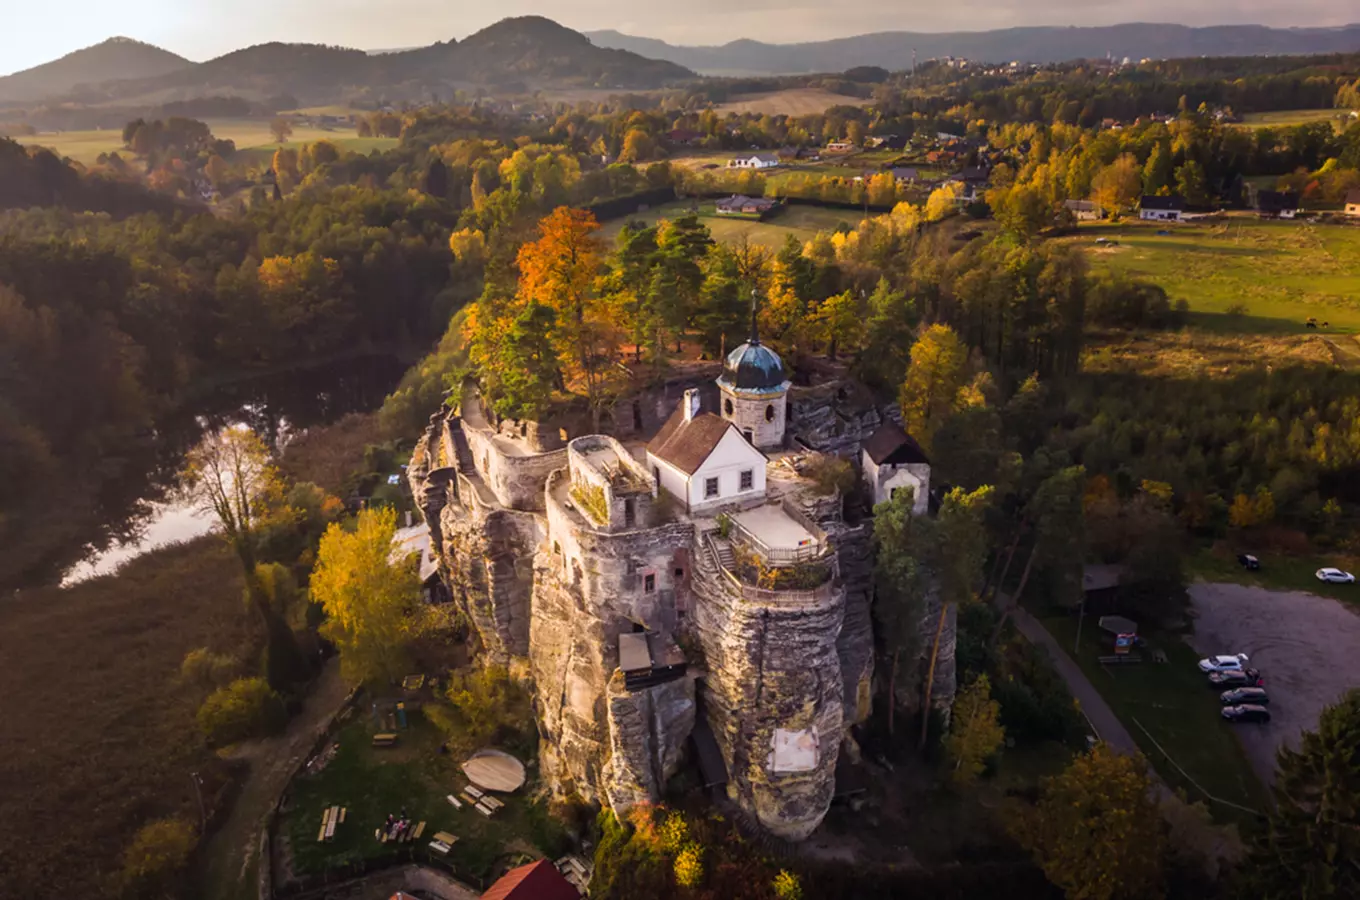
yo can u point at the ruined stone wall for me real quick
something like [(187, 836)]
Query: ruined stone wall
[(590, 586), (834, 417), (517, 481), (772, 665)]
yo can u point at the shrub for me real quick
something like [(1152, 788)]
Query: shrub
[(155, 861), (204, 668), (831, 474), (689, 866), (244, 709), (486, 706), (787, 886)]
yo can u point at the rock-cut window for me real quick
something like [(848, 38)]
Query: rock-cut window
[(648, 584)]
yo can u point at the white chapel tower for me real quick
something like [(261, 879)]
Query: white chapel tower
[(755, 391)]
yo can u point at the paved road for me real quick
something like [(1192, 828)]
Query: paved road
[(1108, 727)]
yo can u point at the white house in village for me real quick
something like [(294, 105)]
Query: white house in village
[(891, 461), (703, 460), (754, 161), (1161, 209)]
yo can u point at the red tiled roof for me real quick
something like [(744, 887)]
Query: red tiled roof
[(536, 881), (686, 445)]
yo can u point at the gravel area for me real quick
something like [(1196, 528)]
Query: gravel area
[(1307, 648)]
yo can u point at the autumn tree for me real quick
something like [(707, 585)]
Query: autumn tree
[(1118, 186), (281, 129), (1096, 831), (839, 323), (934, 378), (230, 476), (637, 145), (558, 271), (216, 170), (1310, 847), (156, 860), (1055, 519), (372, 602), (943, 201), (975, 732)]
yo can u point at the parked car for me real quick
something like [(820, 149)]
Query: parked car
[(1236, 696), (1249, 562), (1235, 678), (1335, 576), (1246, 712), (1223, 663)]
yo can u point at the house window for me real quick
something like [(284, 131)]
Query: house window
[(710, 488), (748, 479), (769, 413), (727, 406), (649, 584)]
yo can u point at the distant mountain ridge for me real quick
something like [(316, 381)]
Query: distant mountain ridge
[(1039, 44), (118, 57), (521, 52)]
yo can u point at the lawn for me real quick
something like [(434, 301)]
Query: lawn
[(1283, 573), (791, 102), (251, 135), (1286, 117), (803, 222), (1242, 274), (1180, 711), (372, 783)]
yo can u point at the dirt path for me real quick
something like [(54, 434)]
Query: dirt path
[(1304, 645), (229, 871)]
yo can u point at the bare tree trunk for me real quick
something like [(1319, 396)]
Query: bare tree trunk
[(1015, 598), (930, 676)]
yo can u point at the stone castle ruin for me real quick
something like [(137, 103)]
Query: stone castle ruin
[(693, 594)]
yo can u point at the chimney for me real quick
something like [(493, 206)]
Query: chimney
[(691, 403)]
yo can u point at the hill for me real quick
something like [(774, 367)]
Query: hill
[(893, 49), (513, 54), (117, 57)]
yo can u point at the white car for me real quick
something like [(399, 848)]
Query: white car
[(1223, 663), (1335, 576)]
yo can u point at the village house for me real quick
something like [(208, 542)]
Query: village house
[(1161, 209), (974, 182), (1277, 204), (905, 175), (841, 147), (741, 205), (1353, 203), (1084, 210), (703, 461), (754, 161)]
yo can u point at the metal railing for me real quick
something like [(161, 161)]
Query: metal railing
[(780, 555)]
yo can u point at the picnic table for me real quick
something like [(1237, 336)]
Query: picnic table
[(386, 739)]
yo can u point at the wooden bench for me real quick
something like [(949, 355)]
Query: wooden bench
[(420, 829), (473, 791), (384, 740), (492, 802), (454, 800), (1120, 660), (469, 799), (485, 810), (446, 837)]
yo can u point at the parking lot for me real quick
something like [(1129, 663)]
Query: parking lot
[(1307, 648)]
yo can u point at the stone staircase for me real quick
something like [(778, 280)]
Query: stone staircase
[(461, 448), (723, 549)]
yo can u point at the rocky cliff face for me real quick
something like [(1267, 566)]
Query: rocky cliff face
[(647, 734)]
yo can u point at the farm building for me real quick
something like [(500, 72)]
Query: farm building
[(1161, 209), (754, 161), (905, 175), (741, 205), (841, 147), (1353, 203), (1084, 210), (1277, 204)]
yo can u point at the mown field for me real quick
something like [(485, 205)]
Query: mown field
[(792, 102), (1241, 274), (803, 222), (1286, 117), (251, 135)]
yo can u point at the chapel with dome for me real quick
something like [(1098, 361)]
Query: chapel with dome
[(754, 387)]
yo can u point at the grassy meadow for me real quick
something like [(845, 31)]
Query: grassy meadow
[(1242, 274), (803, 222), (250, 135), (791, 102), (1287, 117)]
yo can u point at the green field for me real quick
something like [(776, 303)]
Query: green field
[(803, 222), (1173, 702), (1288, 117), (1242, 274), (249, 135)]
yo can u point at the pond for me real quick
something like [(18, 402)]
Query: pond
[(138, 511)]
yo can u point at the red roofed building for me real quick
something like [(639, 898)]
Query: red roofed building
[(536, 881)]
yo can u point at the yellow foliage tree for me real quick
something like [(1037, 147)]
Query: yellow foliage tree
[(839, 323), (155, 861), (934, 378), (882, 189), (468, 246), (1096, 831), (943, 201), (975, 732), (689, 866), (372, 602)]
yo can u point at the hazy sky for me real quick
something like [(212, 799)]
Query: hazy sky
[(35, 32)]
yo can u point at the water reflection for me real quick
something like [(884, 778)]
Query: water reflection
[(137, 511)]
